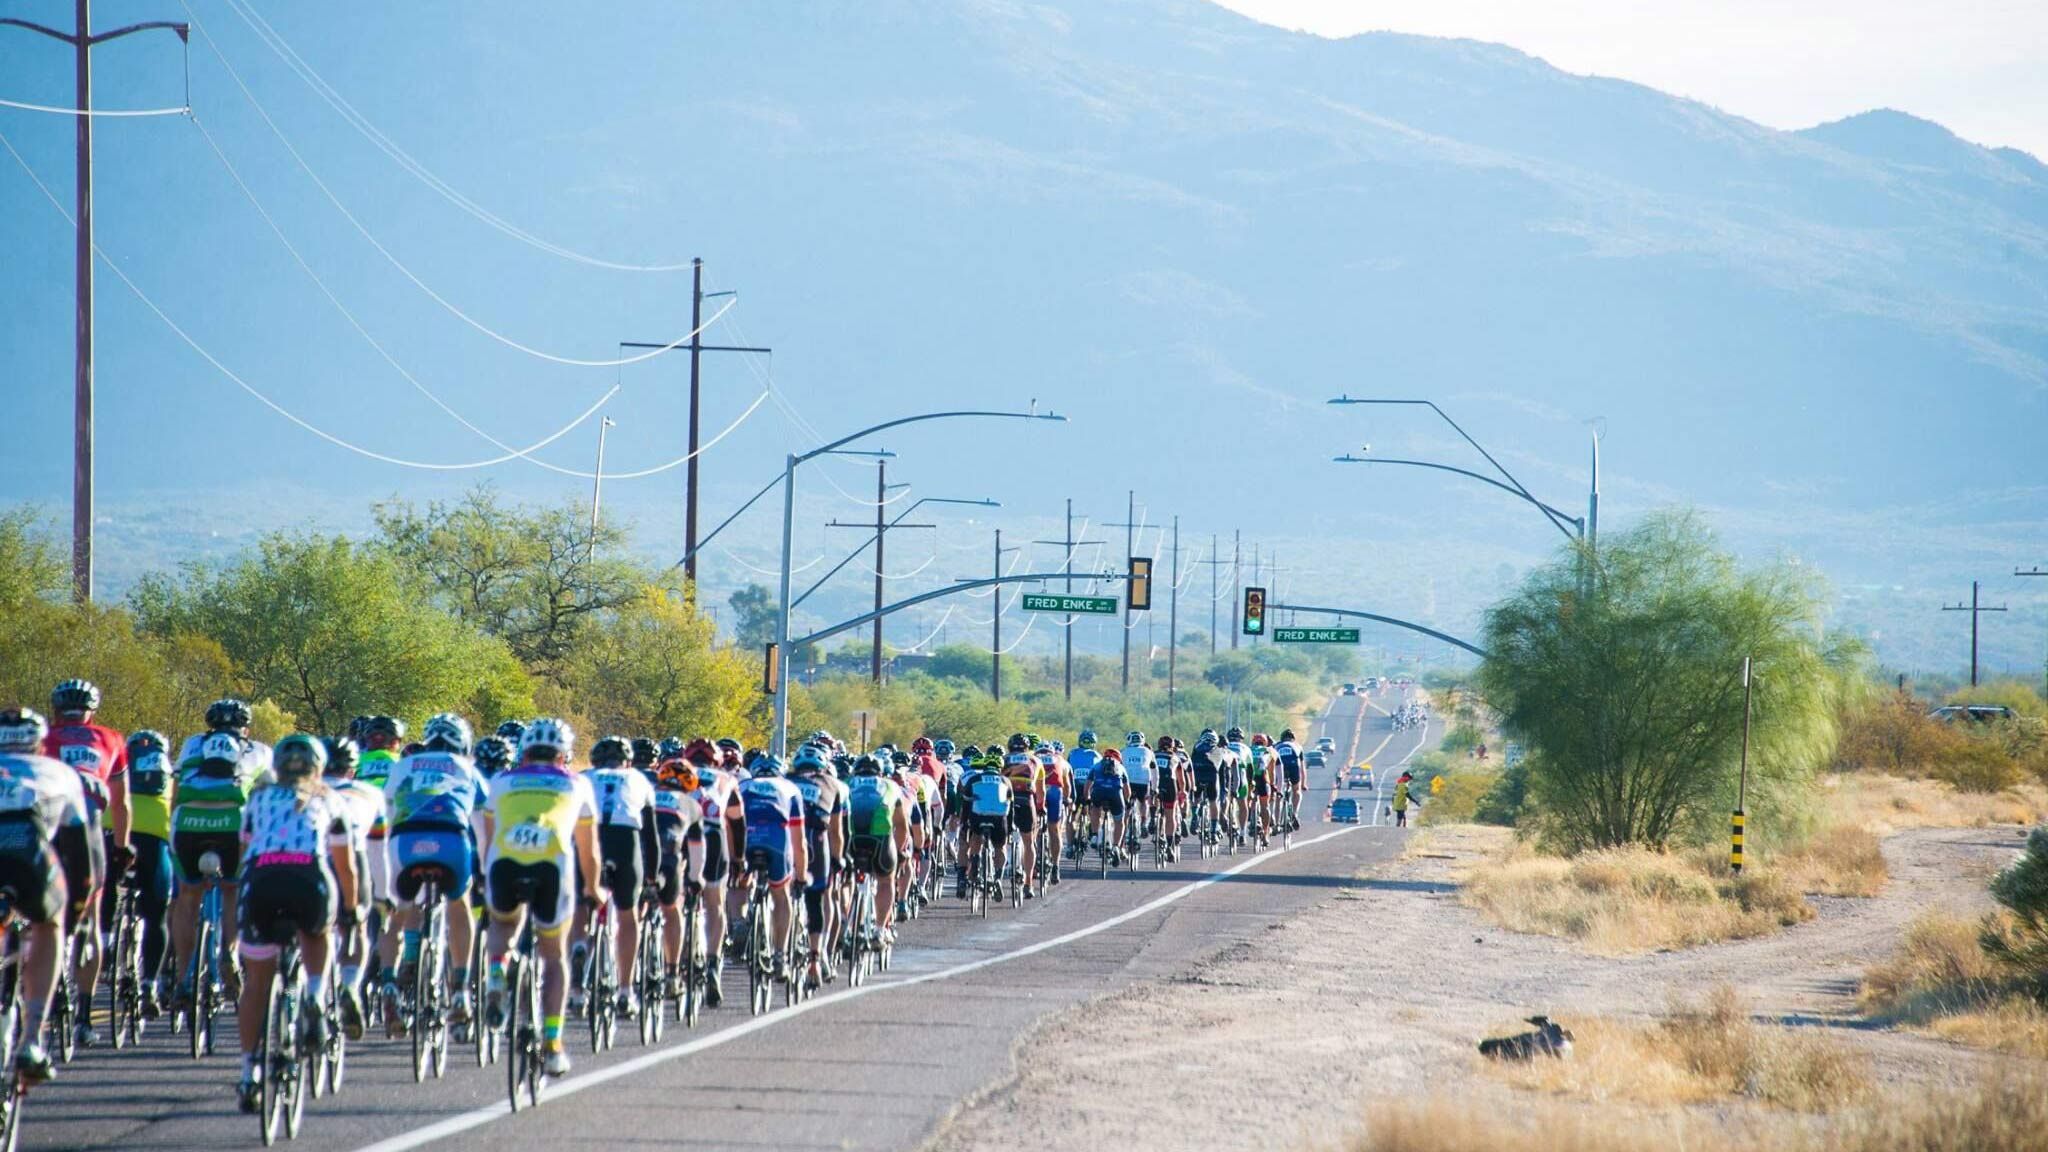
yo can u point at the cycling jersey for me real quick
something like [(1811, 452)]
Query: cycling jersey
[(1109, 777), (1138, 765), (42, 789), (362, 805), (374, 768), (988, 794), (282, 825), (1082, 761), (1289, 754), (774, 810), (623, 796), (97, 753), (210, 799), (1250, 758), (432, 788), (536, 809), (149, 795), (1025, 773), (871, 806)]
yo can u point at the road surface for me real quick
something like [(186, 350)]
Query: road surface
[(876, 1068)]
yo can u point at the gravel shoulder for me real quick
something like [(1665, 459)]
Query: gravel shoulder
[(1382, 991)]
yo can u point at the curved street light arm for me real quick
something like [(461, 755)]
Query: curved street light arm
[(1576, 521), (1393, 620), (900, 421), (1548, 513)]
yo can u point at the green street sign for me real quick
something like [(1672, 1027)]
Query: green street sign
[(1083, 605), (1315, 635)]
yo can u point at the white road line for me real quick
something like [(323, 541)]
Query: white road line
[(464, 1121)]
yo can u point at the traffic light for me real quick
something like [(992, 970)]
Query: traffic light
[(770, 667), (1139, 598), (1255, 611)]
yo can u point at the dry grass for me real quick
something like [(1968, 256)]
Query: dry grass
[(1628, 900), (1940, 981), (1698, 1054), (1886, 804), (2007, 1113), (1840, 860)]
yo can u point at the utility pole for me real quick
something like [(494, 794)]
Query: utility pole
[(697, 349), (1975, 611), (995, 648), (1173, 620), (1215, 563), (1130, 527), (2037, 570), (1069, 543), (597, 481), (82, 42), (880, 528), (1236, 581)]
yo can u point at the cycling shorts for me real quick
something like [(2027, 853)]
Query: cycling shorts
[(1140, 792), (1108, 801), (820, 864), (875, 855), (281, 901), (994, 829), (1055, 802), (188, 847), (428, 849), (1262, 786), (29, 865), (618, 849), (1205, 785), (1293, 773), (542, 888), (1023, 816), (674, 843), (380, 870), (771, 862), (1169, 789), (714, 854)]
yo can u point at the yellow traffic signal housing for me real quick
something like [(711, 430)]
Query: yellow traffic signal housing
[(1139, 596)]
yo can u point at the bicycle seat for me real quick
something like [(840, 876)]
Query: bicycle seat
[(209, 864)]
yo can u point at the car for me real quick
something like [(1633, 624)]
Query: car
[(1351, 689), (1315, 758), (1344, 810), (1360, 776), (1973, 713), (1372, 683), (1326, 745)]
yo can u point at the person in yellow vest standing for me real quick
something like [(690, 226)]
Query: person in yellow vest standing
[(1401, 800)]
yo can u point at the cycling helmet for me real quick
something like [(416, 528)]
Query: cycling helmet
[(1086, 739), (991, 760), (610, 752), (493, 755), (1020, 743), (227, 713), (1287, 733), (551, 734), (383, 731), (821, 738), (22, 730), (75, 696), (970, 754), (921, 745), (1032, 738), (1235, 735), (867, 766), (342, 754), (511, 732), (146, 741), (808, 759), (359, 729), (1112, 755), (222, 746), (899, 758), (1166, 743), (449, 731), (765, 765), (645, 754), (1059, 747), (703, 753), (730, 752), (670, 748), (943, 749), (298, 756), (1135, 737), (411, 748), (677, 774), (1260, 740)]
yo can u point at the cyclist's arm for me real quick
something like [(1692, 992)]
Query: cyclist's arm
[(835, 832), (800, 849), (586, 852), (650, 840), (117, 801), (342, 854), (693, 849), (902, 827)]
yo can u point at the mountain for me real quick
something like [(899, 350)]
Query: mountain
[(1183, 229)]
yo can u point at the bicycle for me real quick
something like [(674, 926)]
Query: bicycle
[(64, 1006), (861, 941), (483, 1040), (204, 976), (1105, 844), (124, 978), (330, 1060), (10, 1024), (524, 1061), (424, 1006), (696, 966), (282, 1057), (760, 957), (648, 976), (600, 975)]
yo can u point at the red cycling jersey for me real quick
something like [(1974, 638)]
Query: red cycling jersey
[(96, 752)]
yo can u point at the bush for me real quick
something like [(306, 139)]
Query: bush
[(2022, 890), (1460, 800), (1503, 803), (1977, 765)]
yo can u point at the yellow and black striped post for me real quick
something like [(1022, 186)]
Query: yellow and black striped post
[(1735, 844)]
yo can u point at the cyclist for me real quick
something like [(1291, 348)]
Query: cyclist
[(1259, 772), (1289, 754), (150, 773), (1211, 766), (825, 801), (630, 846), (540, 821), (1109, 795), (43, 855), (1237, 780), (433, 795), (216, 773), (679, 826), (100, 757), (382, 739), (988, 800), (362, 805), (878, 816), (1059, 784), (296, 842), (922, 791), (1082, 761), (776, 848), (718, 804), (1138, 769), (1026, 773), (1170, 769)]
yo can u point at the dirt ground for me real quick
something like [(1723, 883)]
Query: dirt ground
[(1383, 991)]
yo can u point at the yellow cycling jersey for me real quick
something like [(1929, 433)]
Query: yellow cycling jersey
[(535, 809)]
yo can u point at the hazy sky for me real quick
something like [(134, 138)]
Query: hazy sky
[(1978, 66)]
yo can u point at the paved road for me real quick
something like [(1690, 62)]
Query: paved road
[(874, 1069)]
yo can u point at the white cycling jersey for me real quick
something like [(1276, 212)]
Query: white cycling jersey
[(1138, 765)]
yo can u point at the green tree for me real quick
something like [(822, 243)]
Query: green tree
[(328, 630), (534, 577), (651, 667), (31, 567), (754, 617), (1626, 685), (2023, 891)]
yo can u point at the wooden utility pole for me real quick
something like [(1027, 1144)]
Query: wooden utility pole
[(1215, 563), (1975, 612), (1173, 620), (995, 648), (1130, 527), (1068, 543)]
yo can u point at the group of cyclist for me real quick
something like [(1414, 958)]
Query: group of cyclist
[(345, 849)]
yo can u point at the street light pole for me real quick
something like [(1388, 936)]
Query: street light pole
[(1557, 519), (1173, 620), (597, 479), (995, 649)]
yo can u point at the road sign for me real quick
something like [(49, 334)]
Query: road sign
[(1083, 605), (1254, 612), (1315, 635)]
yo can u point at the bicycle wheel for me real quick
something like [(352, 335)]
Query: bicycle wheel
[(485, 1040), (61, 1016), (653, 989), (201, 1023), (693, 968), (122, 997), (758, 972), (10, 1042), (535, 1068), (294, 1063), (270, 1107), (517, 1053)]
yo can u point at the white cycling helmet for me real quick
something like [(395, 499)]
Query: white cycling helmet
[(449, 730), (22, 730), (548, 732)]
